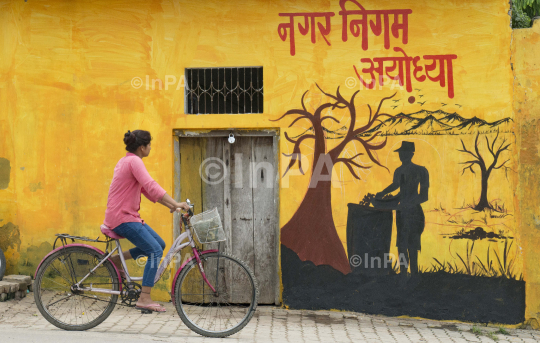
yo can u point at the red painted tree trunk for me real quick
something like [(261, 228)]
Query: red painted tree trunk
[(311, 232)]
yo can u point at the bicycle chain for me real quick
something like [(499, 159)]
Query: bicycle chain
[(121, 303), (107, 301)]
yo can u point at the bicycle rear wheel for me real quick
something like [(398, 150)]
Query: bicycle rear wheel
[(221, 313), (70, 309)]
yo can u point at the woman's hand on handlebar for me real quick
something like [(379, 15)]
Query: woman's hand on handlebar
[(172, 204), (182, 206)]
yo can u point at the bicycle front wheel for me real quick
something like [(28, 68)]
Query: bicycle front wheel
[(71, 309), (225, 311)]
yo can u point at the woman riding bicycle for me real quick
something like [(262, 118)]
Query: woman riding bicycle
[(130, 179)]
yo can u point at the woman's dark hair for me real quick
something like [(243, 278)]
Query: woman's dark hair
[(134, 139)]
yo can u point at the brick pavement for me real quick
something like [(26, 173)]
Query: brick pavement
[(270, 324)]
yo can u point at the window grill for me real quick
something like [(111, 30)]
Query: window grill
[(224, 90)]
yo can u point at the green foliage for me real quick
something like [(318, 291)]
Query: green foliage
[(503, 331), (492, 336), (523, 11), (530, 7)]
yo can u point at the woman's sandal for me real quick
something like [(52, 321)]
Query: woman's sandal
[(152, 307)]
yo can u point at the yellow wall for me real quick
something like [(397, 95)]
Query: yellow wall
[(525, 52), (66, 99)]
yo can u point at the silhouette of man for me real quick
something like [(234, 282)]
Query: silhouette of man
[(410, 219)]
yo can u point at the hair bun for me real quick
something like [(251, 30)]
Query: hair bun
[(128, 137)]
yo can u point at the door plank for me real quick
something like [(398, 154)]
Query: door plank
[(242, 209), (212, 175), (264, 220), (277, 281), (227, 221), (190, 187), (212, 171)]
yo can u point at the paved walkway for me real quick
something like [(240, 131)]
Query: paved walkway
[(20, 321)]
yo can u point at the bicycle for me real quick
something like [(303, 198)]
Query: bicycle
[(76, 285)]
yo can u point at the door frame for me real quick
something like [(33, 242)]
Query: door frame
[(178, 134)]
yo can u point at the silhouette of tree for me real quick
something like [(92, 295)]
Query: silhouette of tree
[(485, 170), (311, 232)]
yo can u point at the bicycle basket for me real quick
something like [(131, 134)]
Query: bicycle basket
[(207, 226)]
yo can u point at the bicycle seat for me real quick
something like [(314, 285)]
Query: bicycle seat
[(109, 233)]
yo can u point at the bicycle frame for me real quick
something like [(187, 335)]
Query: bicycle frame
[(178, 245)]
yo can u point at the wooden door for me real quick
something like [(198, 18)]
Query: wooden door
[(240, 180)]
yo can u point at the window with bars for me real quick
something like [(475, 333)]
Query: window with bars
[(224, 90)]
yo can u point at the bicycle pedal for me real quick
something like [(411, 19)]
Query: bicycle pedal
[(146, 312)]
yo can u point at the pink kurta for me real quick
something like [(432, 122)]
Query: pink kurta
[(130, 179)]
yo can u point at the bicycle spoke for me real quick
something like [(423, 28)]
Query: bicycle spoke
[(69, 296)]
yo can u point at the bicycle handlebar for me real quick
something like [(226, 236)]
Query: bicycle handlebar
[(189, 212)]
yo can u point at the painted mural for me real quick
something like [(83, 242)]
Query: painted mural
[(409, 244)]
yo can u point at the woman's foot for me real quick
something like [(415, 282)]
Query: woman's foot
[(151, 307), (146, 303)]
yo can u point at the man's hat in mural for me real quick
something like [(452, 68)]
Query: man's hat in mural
[(406, 146)]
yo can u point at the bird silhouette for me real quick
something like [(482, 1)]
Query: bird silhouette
[(395, 100), (421, 103), (458, 105), (443, 104), (416, 89), (421, 95), (393, 107)]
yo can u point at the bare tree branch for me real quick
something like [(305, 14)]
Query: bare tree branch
[(467, 151), (295, 111), (303, 105), (350, 160), (348, 164), (328, 95), (470, 167), (318, 111), (329, 117), (376, 116), (483, 164), (369, 148), (296, 154), (372, 137), (300, 118), (496, 154), (501, 165), (490, 148), (297, 142), (294, 157), (471, 162)]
